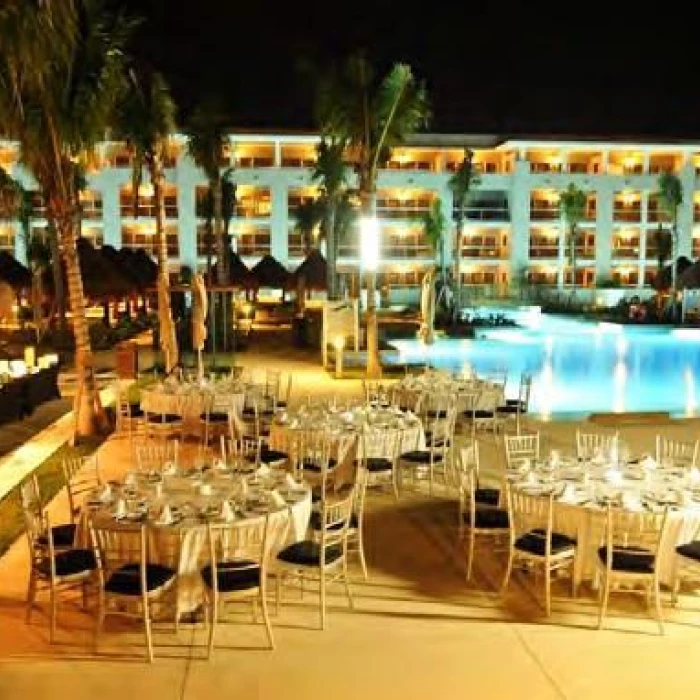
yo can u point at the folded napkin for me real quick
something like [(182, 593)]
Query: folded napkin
[(219, 464), (290, 482), (105, 493), (205, 489), (130, 479), (226, 514), (120, 510), (166, 516), (277, 500), (264, 470), (243, 488), (649, 462)]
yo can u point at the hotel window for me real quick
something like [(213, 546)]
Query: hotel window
[(202, 242), (144, 236), (252, 242), (627, 206), (8, 157), (591, 210), (544, 204), (544, 243), (486, 205), (298, 196), (397, 203), (545, 161), (696, 208), (626, 244), (484, 162), (38, 205), (543, 277), (253, 202), (411, 159), (93, 234), (485, 276), (119, 155), (298, 156), (585, 244), (584, 163), (486, 243), (403, 278), (146, 201), (665, 163), (655, 211), (254, 155), (7, 239), (626, 277), (696, 245), (626, 163), (405, 243), (91, 204), (585, 276)]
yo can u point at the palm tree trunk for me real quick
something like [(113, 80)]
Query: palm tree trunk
[(331, 252), (458, 263), (222, 259), (87, 407), (374, 368), (57, 273), (168, 338), (572, 258)]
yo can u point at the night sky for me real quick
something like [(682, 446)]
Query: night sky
[(489, 68)]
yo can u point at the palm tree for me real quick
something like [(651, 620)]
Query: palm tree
[(572, 207), (61, 71), (146, 121), (371, 115), (671, 197), (331, 172), (464, 180), (307, 217), (434, 229), (663, 242)]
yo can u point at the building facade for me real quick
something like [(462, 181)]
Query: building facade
[(513, 233)]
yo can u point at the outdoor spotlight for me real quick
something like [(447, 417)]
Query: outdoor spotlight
[(369, 243)]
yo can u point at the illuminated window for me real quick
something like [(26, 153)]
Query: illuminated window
[(252, 242), (7, 239), (146, 201), (143, 236), (94, 234), (91, 204)]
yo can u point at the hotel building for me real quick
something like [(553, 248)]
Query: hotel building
[(513, 235)]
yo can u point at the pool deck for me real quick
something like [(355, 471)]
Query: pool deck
[(418, 629)]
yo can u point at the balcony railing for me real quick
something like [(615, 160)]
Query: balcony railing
[(402, 212), (406, 252), (545, 167), (626, 252), (290, 162), (585, 252), (544, 213), (495, 213), (544, 251), (255, 162), (147, 211), (484, 252), (409, 165), (627, 215)]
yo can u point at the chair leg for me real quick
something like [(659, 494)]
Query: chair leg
[(266, 616), (31, 595), (657, 605), (394, 483), (361, 552), (212, 624), (509, 570), (470, 553), (604, 602), (278, 596), (54, 604), (322, 597), (346, 581), (548, 591), (574, 583), (100, 621)]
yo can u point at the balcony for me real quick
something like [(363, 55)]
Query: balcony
[(696, 213), (633, 215), (395, 210), (255, 162), (544, 250), (541, 213), (628, 251), (585, 252), (487, 213), (544, 167)]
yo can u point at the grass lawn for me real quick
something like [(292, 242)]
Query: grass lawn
[(50, 482)]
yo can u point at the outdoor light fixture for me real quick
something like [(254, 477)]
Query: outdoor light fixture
[(369, 243)]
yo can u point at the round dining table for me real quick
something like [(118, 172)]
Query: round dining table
[(490, 394), (583, 489), (177, 505)]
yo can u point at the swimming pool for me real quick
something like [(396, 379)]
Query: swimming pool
[(580, 367)]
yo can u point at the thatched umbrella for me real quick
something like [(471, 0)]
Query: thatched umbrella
[(13, 272), (313, 272), (101, 279), (199, 319), (238, 274), (268, 272), (690, 277)]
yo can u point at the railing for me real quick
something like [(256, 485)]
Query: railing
[(391, 251), (585, 252), (627, 215), (257, 210), (485, 213), (402, 212), (147, 211), (626, 252), (255, 162), (540, 213), (409, 165), (479, 252), (549, 251), (545, 168), (289, 162)]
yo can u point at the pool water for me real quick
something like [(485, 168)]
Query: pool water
[(580, 367)]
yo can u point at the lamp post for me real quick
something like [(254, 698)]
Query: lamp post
[(369, 262)]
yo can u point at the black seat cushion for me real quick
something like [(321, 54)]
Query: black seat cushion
[(63, 536), (215, 417), (135, 410), (281, 404), (249, 412), (436, 442), (420, 457), (70, 563), (127, 579), (269, 456), (165, 419), (311, 466), (378, 464), (491, 518), (432, 413), (315, 521), (233, 575), (483, 414), (636, 560), (534, 542), (307, 553), (690, 550), (487, 496), (508, 408)]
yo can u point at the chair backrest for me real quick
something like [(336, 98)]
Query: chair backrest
[(684, 453), (361, 481), (381, 442), (468, 458), (407, 399), (527, 513), (116, 547), (634, 533), (591, 444), (310, 447), (521, 447), (36, 521), (524, 392), (440, 430), (285, 391), (468, 481), (249, 543), (437, 403), (122, 403), (273, 382), (335, 518), (498, 376), (154, 455), (375, 391), (81, 476), (246, 448)]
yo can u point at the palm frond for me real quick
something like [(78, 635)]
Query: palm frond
[(572, 205), (434, 225)]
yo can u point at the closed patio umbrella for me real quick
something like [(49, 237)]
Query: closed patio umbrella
[(427, 308), (199, 319), (167, 327)]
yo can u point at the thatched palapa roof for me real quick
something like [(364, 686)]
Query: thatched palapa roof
[(313, 271), (268, 272)]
